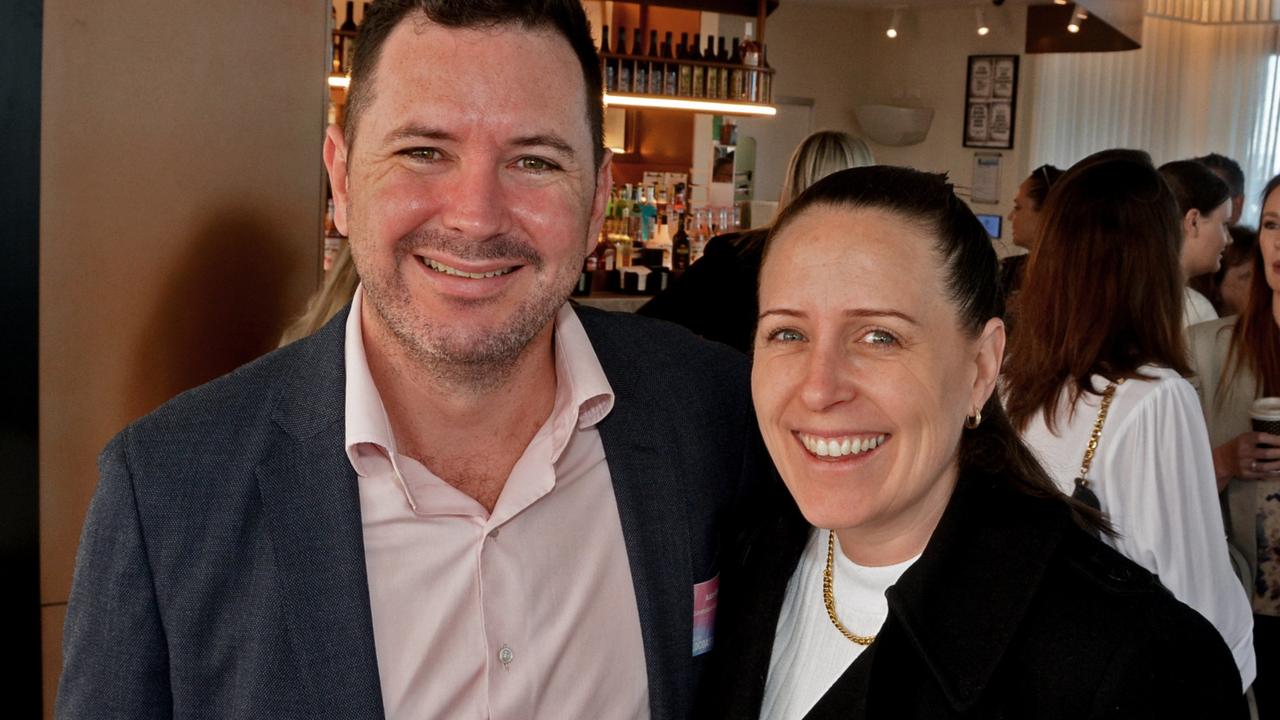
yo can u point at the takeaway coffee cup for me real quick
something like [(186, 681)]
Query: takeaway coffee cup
[(1265, 414)]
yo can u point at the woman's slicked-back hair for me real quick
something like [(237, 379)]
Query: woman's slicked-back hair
[(1103, 288), (566, 18), (1195, 186), (970, 272), (819, 155), (968, 258)]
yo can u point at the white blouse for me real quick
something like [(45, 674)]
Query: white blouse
[(809, 653), (1153, 474)]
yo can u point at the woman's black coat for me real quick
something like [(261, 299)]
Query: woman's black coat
[(1012, 611)]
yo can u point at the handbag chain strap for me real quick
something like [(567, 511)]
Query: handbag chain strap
[(1107, 396)]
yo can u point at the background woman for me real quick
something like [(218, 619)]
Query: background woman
[(1228, 289), (1024, 224), (716, 296), (923, 565), (1238, 360), (1204, 204), (1116, 332)]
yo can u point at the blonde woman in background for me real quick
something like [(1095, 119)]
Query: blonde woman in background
[(339, 285), (716, 297)]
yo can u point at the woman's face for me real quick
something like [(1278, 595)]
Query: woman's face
[(1235, 287), (862, 380), (1024, 219), (1204, 238), (1269, 239)]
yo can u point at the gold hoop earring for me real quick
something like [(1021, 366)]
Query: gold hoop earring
[(972, 421)]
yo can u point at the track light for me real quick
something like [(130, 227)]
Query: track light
[(1059, 2), (892, 32), (1080, 16), (982, 23)]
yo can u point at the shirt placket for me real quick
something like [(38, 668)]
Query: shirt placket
[(508, 653)]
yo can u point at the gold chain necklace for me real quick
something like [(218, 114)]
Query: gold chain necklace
[(829, 597)]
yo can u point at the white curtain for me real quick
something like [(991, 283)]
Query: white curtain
[(1193, 88)]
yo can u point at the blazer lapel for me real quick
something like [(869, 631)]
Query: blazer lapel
[(312, 505), (654, 526)]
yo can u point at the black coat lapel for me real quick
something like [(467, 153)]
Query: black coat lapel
[(312, 505), (654, 523)]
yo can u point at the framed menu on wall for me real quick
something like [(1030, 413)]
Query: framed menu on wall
[(990, 99)]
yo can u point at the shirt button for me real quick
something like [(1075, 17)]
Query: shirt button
[(505, 656), (493, 534)]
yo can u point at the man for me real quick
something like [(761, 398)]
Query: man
[(462, 499), (1231, 174)]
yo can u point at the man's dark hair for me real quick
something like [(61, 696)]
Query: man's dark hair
[(1226, 168), (565, 17), (1195, 186)]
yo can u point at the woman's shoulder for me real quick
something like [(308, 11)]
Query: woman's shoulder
[(1116, 609)]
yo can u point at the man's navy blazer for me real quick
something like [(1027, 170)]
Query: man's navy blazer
[(221, 569)]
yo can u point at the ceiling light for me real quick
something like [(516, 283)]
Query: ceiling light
[(982, 23), (1077, 18), (892, 32), (674, 103)]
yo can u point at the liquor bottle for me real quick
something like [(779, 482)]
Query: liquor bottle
[(699, 71), (713, 74), (737, 79), (637, 216), (680, 248), (623, 69), (723, 56), (766, 77), (336, 51), (586, 277), (610, 69), (662, 237), (685, 82), (670, 71), (655, 65), (701, 235), (640, 68), (750, 58), (648, 216), (348, 37)]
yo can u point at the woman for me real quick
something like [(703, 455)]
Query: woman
[(1204, 204), (1114, 335), (716, 297), (339, 285), (1237, 360), (923, 566), (1228, 289), (1024, 219), (1024, 224)]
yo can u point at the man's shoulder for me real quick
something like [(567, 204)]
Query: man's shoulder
[(657, 345), (234, 407)]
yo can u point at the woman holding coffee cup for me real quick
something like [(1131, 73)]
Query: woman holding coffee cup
[(1237, 360)]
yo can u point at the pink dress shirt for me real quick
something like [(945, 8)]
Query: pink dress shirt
[(528, 612)]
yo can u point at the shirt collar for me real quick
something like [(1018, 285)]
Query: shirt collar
[(583, 394)]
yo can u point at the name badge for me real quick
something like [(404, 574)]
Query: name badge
[(705, 595)]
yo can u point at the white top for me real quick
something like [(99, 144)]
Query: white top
[(809, 653), (1196, 308), (1153, 474)]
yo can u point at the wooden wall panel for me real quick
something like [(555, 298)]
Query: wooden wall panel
[(181, 215)]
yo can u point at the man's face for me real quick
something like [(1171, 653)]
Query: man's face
[(470, 194)]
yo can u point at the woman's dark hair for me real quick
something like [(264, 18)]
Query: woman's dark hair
[(1039, 182), (971, 276), (1255, 343), (564, 17), (1195, 187), (1103, 292)]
